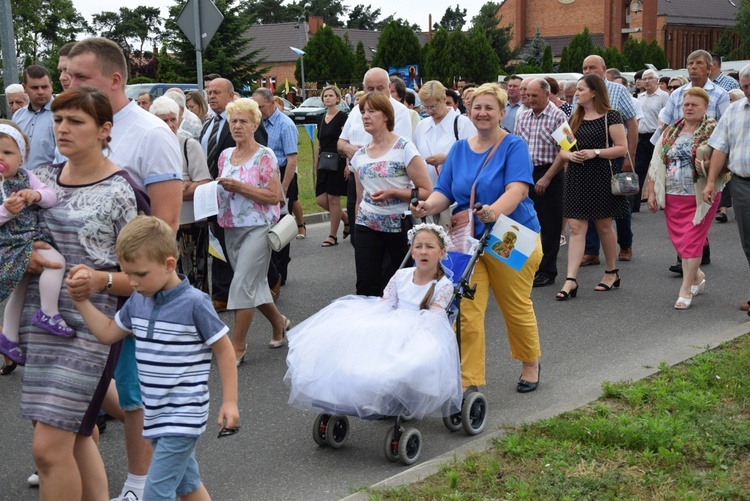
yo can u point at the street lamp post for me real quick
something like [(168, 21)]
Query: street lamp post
[(300, 26)]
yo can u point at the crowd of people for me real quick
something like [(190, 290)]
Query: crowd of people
[(82, 270)]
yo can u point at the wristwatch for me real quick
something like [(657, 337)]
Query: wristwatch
[(109, 282), (597, 152)]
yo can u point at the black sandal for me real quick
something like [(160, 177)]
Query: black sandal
[(564, 295), (605, 287), (300, 236), (328, 243), (7, 369), (346, 231)]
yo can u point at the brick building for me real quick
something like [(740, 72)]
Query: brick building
[(273, 40), (679, 26)]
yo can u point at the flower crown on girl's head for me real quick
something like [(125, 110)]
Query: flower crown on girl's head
[(433, 227)]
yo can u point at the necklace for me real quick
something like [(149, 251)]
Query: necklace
[(86, 177), (239, 157)]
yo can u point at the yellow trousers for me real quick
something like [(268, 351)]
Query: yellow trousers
[(512, 290)]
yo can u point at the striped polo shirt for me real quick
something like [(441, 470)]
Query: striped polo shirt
[(174, 331)]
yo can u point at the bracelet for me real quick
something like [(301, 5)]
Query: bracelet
[(109, 283)]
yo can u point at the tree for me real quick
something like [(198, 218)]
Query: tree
[(547, 61), (500, 38), (397, 46), (480, 69), (43, 26), (614, 59), (363, 18), (268, 12), (327, 59), (228, 54), (580, 47), (535, 51), (438, 63), (742, 25), (656, 55), (360, 66), (391, 19), (453, 19), (129, 27), (635, 54), (332, 11), (166, 71)]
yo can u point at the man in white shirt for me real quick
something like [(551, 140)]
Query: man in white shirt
[(652, 101), (354, 136), (142, 145)]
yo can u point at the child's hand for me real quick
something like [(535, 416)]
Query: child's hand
[(229, 415), (30, 196), (82, 282), (14, 204)]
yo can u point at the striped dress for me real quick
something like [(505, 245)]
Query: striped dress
[(63, 374)]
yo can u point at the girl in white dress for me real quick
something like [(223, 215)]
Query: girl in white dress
[(370, 357)]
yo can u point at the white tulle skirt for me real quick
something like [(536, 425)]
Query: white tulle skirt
[(360, 356)]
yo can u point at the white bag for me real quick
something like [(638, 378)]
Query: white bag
[(280, 234)]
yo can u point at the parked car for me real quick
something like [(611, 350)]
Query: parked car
[(312, 110), (155, 89), (288, 108)]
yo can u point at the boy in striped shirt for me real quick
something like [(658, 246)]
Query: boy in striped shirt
[(176, 330)]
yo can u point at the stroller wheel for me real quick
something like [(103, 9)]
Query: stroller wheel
[(390, 445), (337, 431), (409, 446), (474, 413), (319, 429), (452, 422)]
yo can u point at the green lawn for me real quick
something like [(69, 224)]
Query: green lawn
[(683, 434), (305, 173)]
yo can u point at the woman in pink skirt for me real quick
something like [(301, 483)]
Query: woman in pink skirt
[(677, 187)]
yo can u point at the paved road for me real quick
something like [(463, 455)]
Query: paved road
[(597, 337)]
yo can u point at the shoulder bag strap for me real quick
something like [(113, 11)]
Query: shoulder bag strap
[(606, 131), (474, 186), (455, 127)]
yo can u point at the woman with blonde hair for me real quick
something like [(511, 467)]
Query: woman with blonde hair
[(496, 166)]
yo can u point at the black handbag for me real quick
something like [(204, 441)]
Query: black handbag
[(328, 161)]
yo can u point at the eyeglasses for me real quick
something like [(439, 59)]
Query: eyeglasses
[(431, 107), (673, 87), (228, 432)]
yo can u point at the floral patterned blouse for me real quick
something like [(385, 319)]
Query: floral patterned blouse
[(236, 211), (385, 172)]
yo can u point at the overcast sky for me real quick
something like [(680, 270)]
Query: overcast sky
[(413, 11)]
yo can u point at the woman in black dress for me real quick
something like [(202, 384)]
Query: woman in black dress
[(332, 184), (588, 192)]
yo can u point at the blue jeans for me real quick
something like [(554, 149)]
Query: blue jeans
[(173, 471), (624, 232)]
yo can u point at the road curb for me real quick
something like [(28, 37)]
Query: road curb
[(423, 470)]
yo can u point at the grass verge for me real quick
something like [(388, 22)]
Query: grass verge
[(683, 433), (305, 173)]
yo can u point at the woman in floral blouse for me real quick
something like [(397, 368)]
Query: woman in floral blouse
[(387, 171), (249, 196)]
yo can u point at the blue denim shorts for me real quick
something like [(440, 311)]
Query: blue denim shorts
[(126, 377), (173, 471)]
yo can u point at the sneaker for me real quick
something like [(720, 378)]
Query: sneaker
[(33, 479), (128, 496)]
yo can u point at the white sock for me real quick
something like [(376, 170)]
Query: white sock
[(135, 484)]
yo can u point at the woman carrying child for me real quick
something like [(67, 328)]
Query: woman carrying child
[(370, 356), (20, 190)]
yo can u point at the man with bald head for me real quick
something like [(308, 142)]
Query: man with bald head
[(619, 99), (354, 136), (535, 126)]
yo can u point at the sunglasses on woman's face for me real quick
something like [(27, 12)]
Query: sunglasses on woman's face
[(673, 87)]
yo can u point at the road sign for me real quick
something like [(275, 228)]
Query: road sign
[(209, 17)]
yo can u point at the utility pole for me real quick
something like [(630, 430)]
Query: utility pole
[(10, 65)]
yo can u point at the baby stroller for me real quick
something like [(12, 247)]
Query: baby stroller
[(402, 443)]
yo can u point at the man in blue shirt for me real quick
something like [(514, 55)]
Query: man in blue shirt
[(514, 102), (282, 139), (36, 118)]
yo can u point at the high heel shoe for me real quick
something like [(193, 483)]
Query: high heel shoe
[(564, 295), (602, 287), (525, 386), (273, 344), (696, 290), (241, 358), (301, 235)]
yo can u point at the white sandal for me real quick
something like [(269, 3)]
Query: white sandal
[(698, 289), (683, 303)]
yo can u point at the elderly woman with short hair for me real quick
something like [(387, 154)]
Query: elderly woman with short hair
[(249, 196), (192, 235)]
